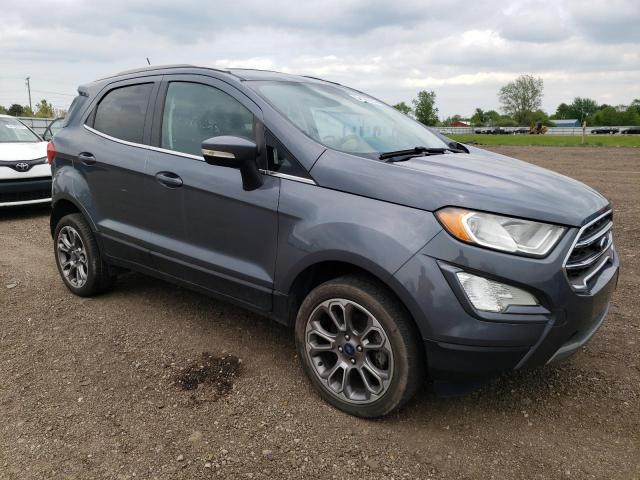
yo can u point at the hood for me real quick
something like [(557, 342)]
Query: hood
[(22, 151), (480, 180)]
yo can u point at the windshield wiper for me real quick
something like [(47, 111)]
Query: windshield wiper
[(402, 155)]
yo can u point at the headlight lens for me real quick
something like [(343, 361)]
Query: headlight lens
[(507, 234), (491, 296)]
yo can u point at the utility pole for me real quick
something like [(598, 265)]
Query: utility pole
[(29, 90)]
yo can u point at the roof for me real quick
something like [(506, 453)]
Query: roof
[(238, 73), (570, 121)]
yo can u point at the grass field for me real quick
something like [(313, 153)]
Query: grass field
[(551, 140)]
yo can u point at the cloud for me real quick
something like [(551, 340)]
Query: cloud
[(463, 50)]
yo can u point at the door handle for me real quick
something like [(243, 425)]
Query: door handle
[(87, 158), (169, 179)]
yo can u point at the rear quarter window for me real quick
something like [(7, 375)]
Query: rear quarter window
[(121, 112)]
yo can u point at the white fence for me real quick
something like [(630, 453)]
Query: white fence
[(38, 125), (550, 130)]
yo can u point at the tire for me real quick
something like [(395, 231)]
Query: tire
[(75, 242), (385, 360)]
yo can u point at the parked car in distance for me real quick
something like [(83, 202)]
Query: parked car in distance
[(25, 175), (631, 131), (493, 131), (394, 253), (521, 131), (605, 130), (53, 128)]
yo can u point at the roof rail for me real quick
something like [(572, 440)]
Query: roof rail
[(159, 67), (321, 79)]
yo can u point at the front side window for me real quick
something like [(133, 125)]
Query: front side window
[(122, 111), (346, 120), (194, 112), (12, 130), (279, 160)]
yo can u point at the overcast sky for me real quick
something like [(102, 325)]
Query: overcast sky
[(463, 50)]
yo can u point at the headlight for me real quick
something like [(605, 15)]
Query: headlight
[(491, 296), (507, 234)]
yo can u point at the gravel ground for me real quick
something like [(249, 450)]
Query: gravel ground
[(153, 381)]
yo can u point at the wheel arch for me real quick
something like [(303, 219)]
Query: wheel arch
[(65, 205), (324, 270)]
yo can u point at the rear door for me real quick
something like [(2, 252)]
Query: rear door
[(206, 229), (112, 158)]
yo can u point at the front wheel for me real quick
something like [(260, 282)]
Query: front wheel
[(359, 346)]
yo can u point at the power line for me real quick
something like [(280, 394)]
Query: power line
[(54, 93)]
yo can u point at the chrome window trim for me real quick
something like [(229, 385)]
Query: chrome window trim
[(175, 152), (114, 139), (192, 157), (288, 177)]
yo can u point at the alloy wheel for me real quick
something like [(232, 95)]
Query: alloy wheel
[(349, 351), (72, 256)]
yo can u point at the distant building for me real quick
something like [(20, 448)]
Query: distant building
[(458, 123), (572, 122)]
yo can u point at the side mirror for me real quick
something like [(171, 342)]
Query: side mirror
[(235, 152)]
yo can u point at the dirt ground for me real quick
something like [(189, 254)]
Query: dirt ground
[(93, 388)]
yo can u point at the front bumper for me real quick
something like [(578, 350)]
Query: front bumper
[(25, 191), (461, 342)]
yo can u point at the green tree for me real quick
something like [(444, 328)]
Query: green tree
[(493, 118), (3, 111), (450, 120), (537, 116), (478, 118), (504, 121), (581, 108), (44, 109), (403, 107), (425, 109), (16, 110), (521, 97), (563, 112)]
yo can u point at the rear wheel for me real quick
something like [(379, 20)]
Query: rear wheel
[(359, 346), (78, 258)]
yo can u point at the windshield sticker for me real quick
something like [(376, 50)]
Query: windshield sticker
[(362, 99)]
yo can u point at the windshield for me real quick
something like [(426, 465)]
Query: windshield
[(346, 120), (11, 130)]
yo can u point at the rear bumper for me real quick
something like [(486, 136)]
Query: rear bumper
[(25, 191)]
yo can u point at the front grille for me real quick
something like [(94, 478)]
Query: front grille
[(591, 252), (6, 197), (22, 165)]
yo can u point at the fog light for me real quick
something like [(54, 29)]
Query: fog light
[(490, 296)]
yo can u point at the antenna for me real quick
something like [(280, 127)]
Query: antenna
[(148, 61)]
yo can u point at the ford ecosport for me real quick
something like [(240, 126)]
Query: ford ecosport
[(394, 252)]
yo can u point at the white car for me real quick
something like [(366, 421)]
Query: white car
[(25, 175)]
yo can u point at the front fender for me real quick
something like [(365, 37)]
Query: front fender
[(318, 225)]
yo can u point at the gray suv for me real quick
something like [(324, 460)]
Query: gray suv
[(394, 252)]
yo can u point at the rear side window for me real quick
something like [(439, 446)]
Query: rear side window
[(194, 112), (122, 111)]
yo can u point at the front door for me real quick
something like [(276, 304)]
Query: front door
[(206, 229)]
